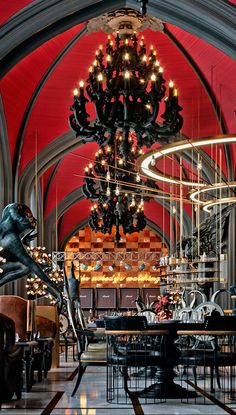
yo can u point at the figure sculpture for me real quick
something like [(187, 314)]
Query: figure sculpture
[(74, 297), (16, 225), (208, 236)]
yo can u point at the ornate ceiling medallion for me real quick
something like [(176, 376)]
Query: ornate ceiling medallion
[(126, 21)]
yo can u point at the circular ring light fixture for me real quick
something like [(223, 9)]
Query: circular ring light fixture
[(194, 195), (208, 205), (145, 162)]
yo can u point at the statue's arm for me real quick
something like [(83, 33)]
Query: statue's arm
[(14, 245)]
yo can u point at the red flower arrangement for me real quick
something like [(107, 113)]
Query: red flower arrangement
[(162, 308), (166, 303)]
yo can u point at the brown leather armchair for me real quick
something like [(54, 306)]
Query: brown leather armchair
[(18, 309)]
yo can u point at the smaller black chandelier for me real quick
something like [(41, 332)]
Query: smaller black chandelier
[(116, 188)]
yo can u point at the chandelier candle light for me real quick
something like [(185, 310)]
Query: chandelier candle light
[(126, 89)]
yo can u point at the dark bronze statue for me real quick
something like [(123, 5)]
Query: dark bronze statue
[(72, 284), (16, 225), (208, 233)]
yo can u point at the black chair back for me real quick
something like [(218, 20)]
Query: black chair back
[(220, 322), (126, 323)]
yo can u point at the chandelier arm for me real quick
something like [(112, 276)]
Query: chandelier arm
[(86, 135)]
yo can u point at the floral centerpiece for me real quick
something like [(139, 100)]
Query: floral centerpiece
[(166, 305)]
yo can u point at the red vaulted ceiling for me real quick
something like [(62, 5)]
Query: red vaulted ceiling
[(49, 115)]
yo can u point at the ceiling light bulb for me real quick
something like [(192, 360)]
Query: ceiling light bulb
[(144, 58), (117, 191), (157, 63), (133, 201), (100, 77), (108, 176), (108, 192), (171, 84), (153, 161), (127, 75), (175, 92), (126, 57), (95, 63), (108, 58), (160, 70), (75, 92), (120, 162), (153, 77), (90, 165)]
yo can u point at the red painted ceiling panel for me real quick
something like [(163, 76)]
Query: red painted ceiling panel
[(73, 217), (19, 84), (11, 7), (50, 113), (219, 70), (70, 174)]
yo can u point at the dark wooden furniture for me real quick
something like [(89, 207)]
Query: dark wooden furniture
[(10, 361), (21, 312)]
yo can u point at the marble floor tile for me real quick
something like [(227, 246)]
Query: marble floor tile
[(53, 396)]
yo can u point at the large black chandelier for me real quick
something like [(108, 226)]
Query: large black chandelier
[(126, 88)]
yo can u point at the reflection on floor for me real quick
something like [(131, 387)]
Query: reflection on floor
[(53, 396)]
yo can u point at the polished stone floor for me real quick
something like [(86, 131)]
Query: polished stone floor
[(53, 396)]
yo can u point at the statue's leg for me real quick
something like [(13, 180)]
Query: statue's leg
[(80, 314), (13, 271)]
